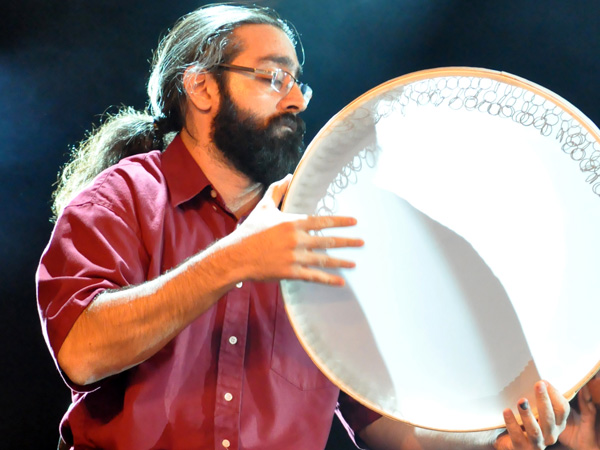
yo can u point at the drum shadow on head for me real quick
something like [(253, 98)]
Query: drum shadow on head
[(423, 331), (469, 345)]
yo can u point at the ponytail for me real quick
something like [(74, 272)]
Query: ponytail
[(124, 134)]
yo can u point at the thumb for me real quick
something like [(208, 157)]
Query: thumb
[(587, 431), (278, 189), (586, 407)]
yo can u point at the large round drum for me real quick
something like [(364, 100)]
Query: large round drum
[(478, 196)]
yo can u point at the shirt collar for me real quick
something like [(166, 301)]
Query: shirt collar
[(184, 176)]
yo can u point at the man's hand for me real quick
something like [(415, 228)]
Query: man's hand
[(281, 246), (553, 410), (581, 432)]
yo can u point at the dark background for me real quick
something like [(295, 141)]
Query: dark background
[(62, 64)]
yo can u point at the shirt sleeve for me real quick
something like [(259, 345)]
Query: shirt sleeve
[(354, 417), (92, 249)]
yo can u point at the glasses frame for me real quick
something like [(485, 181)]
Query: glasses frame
[(272, 75)]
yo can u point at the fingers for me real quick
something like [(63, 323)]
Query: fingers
[(318, 276), (586, 423), (311, 241), (324, 242), (547, 414), (594, 388), (586, 406), (532, 438), (553, 411), (285, 246), (560, 405), (316, 223), (532, 428), (309, 264), (517, 437), (310, 257), (322, 260)]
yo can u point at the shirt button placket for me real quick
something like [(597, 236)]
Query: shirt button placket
[(231, 368)]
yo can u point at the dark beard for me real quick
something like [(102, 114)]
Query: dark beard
[(264, 153)]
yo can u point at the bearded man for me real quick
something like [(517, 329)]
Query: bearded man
[(158, 291)]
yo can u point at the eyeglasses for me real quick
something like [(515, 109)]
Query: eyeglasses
[(281, 80)]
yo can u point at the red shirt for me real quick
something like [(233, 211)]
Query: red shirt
[(236, 377)]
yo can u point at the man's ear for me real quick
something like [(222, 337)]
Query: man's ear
[(201, 89)]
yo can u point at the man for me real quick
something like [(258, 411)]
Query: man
[(158, 290)]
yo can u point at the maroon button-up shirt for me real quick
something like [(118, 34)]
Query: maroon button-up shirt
[(236, 377)]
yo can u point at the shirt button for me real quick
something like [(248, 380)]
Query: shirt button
[(228, 397), (233, 340), (239, 285), (226, 443), (213, 193)]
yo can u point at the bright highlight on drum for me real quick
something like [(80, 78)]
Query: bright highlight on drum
[(478, 196)]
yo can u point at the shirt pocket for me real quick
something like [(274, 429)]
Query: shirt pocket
[(290, 360)]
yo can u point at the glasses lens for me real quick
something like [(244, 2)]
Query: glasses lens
[(282, 81), (307, 92), (277, 80)]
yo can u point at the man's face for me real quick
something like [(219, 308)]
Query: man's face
[(263, 152), (256, 128)]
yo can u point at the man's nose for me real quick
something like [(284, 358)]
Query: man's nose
[(294, 100)]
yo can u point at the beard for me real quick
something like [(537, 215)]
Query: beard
[(265, 153)]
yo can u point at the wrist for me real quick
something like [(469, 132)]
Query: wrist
[(226, 261)]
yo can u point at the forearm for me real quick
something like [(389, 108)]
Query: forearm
[(123, 328), (481, 440), (388, 434)]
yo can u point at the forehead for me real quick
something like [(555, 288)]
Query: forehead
[(264, 44)]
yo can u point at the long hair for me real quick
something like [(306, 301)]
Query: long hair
[(200, 40)]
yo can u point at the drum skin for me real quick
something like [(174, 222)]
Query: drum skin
[(477, 195)]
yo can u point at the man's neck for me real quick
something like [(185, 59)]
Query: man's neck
[(239, 193)]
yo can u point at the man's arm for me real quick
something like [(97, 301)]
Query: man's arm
[(553, 408), (123, 328)]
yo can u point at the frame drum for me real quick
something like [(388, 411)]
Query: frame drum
[(478, 196)]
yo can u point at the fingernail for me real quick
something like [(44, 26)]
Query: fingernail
[(524, 405), (541, 387)]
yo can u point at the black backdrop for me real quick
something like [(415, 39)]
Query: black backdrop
[(64, 63)]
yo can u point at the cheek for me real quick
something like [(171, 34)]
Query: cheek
[(253, 95)]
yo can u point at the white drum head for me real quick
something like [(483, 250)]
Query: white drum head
[(477, 195)]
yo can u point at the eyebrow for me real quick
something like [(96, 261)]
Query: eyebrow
[(284, 61)]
